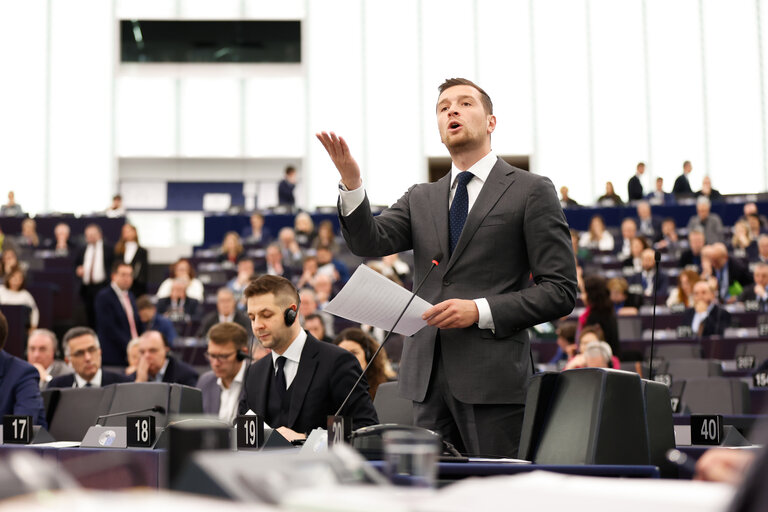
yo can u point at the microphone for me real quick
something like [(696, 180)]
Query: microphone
[(155, 408), (435, 263), (657, 259)]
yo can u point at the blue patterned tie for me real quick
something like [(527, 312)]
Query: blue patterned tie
[(459, 208)]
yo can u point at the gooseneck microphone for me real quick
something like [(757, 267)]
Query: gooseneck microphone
[(435, 263), (657, 259), (155, 408)]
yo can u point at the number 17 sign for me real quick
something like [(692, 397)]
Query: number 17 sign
[(17, 429)]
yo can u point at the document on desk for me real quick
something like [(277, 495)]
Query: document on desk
[(372, 299)]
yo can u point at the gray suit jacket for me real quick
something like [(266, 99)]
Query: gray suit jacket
[(515, 228), (58, 368), (212, 393)]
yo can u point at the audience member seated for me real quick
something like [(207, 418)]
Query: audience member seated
[(222, 385), (729, 276), (62, 246), (116, 209), (599, 310), (759, 291), (182, 269), (308, 272), (762, 250), (117, 317), (289, 247), (83, 353), (156, 364), (363, 347), (28, 237), (634, 262), (635, 186), (751, 209), (10, 261), (581, 254), (709, 192), (326, 237), (128, 250), (274, 263), (178, 308), (304, 229), (682, 187), (624, 303), (691, 257), (670, 241), (92, 266), (326, 264), (226, 311), (41, 353), (13, 291), (315, 325), (658, 196), (566, 342), (610, 198), (393, 265), (308, 305), (597, 238), (647, 278), (323, 287), (743, 246), (598, 355), (589, 335), (133, 355), (565, 200), (706, 317), (304, 380), (231, 249), (245, 272), (19, 384), (648, 225), (11, 208), (153, 321), (255, 233), (682, 294), (710, 223), (623, 242)]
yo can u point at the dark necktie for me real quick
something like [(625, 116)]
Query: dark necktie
[(459, 209), (88, 385), (280, 378)]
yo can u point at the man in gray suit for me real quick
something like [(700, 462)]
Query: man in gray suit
[(41, 353), (222, 387), (491, 226)]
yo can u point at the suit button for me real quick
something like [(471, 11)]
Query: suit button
[(446, 283)]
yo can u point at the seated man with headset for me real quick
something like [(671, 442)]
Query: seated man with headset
[(304, 380)]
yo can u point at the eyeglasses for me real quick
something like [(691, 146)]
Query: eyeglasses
[(219, 357), (90, 351)]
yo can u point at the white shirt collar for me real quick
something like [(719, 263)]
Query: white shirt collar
[(161, 373), (95, 381), (120, 293), (293, 352), (481, 169)]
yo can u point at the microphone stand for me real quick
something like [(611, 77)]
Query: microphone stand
[(657, 258)]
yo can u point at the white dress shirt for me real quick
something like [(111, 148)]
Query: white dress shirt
[(292, 357), (94, 257), (130, 251), (230, 397), (81, 382)]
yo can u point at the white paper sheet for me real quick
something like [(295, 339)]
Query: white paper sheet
[(372, 299)]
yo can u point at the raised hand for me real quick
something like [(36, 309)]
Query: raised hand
[(339, 152)]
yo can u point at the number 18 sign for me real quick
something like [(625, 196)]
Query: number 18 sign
[(141, 431)]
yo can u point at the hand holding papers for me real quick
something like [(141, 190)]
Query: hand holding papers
[(370, 298)]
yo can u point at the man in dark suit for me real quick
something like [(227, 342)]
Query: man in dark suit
[(226, 311), (83, 353), (286, 187), (91, 265), (658, 196), (156, 364), (153, 321), (117, 317), (643, 282), (759, 292), (705, 318), (682, 187), (222, 386), (635, 186), (304, 380), (491, 226), (648, 225), (732, 277), (691, 257), (178, 307), (19, 391)]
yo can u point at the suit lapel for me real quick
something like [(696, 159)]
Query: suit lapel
[(438, 200), (499, 180), (300, 385), (261, 384)]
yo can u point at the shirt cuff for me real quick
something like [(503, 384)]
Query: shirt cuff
[(350, 199), (485, 318)]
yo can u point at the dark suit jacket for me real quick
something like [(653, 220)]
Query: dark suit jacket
[(654, 235), (663, 283), (107, 378), (109, 257), (212, 319), (607, 321), (180, 372), (749, 295), (715, 323), (516, 227), (326, 374), (634, 188), (140, 264), (19, 389), (164, 326), (112, 326), (688, 258), (191, 307), (212, 393), (285, 193), (663, 198), (682, 186)]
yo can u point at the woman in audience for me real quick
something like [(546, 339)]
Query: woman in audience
[(599, 310), (589, 335), (624, 303), (28, 237), (129, 251), (10, 260), (363, 347), (636, 247), (231, 248), (683, 292), (597, 237), (610, 198), (326, 237), (13, 291), (743, 245), (133, 356), (182, 269), (304, 229)]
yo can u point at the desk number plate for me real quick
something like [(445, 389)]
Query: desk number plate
[(17, 429), (140, 431), (706, 429)]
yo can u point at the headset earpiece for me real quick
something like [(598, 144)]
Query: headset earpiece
[(290, 316), (241, 356)]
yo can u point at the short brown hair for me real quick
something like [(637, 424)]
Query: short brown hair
[(278, 286), (224, 332), (3, 330), (144, 302), (452, 82), (567, 330)]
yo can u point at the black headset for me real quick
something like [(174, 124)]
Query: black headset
[(290, 315), (242, 356)]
